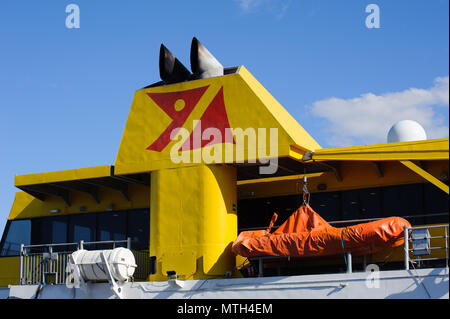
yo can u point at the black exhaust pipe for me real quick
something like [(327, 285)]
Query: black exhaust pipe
[(203, 63), (171, 70)]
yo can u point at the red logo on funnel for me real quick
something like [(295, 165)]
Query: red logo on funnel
[(179, 105)]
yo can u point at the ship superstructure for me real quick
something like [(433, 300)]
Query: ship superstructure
[(209, 154)]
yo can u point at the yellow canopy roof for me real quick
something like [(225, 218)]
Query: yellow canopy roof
[(437, 149), (84, 180), (62, 176)]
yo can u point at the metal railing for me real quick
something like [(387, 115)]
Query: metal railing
[(418, 259), (46, 263), (260, 260)]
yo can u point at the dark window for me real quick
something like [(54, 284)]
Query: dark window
[(436, 202), (327, 205), (361, 204), (254, 212), (258, 212), (138, 229), (82, 227), (243, 214), (59, 231), (284, 206), (17, 232), (404, 200), (52, 230), (350, 205), (370, 200), (111, 226)]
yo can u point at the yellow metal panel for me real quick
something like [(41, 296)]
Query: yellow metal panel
[(184, 262), (300, 136), (219, 219), (9, 271), (437, 149), (247, 106), (426, 175), (20, 204), (192, 213), (63, 176)]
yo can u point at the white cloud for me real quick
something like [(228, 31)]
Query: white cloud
[(368, 118), (247, 5), (275, 7)]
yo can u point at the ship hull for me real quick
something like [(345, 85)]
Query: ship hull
[(432, 283)]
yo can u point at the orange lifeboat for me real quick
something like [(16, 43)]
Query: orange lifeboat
[(306, 234)]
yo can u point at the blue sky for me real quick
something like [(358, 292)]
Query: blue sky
[(65, 93)]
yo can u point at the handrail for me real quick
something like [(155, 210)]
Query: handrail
[(49, 245), (407, 249), (34, 266), (78, 244), (128, 241), (407, 260), (427, 227)]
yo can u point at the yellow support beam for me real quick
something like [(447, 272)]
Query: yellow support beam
[(426, 175), (278, 178), (437, 149), (296, 152)]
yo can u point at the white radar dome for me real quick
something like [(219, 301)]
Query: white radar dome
[(406, 131)]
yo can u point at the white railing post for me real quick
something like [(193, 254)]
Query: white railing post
[(49, 263), (21, 264), (406, 248), (446, 246), (349, 263)]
